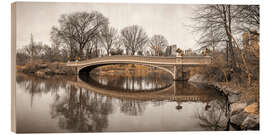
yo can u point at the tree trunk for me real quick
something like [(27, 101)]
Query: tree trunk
[(227, 25), (96, 49), (133, 52), (230, 38), (243, 59), (81, 53), (126, 51), (108, 52)]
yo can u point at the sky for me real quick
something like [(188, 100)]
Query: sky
[(169, 20)]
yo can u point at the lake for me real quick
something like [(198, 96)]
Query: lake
[(110, 102)]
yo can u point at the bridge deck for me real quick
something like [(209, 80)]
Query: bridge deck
[(185, 60)]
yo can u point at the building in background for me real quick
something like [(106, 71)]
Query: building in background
[(188, 52), (171, 50)]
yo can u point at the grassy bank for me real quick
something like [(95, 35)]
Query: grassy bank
[(43, 69)]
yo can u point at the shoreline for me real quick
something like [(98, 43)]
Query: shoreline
[(243, 115)]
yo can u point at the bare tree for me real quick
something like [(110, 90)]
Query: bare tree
[(117, 49), (118, 43), (215, 24), (218, 24), (158, 43), (79, 27), (34, 49), (68, 45), (134, 38), (243, 59), (89, 49), (21, 57), (248, 18), (96, 43), (52, 53), (108, 37), (30, 49)]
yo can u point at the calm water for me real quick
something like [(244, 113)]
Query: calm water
[(82, 104)]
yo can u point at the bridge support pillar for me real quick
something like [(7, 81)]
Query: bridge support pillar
[(180, 74), (175, 72), (77, 78), (174, 88), (77, 71)]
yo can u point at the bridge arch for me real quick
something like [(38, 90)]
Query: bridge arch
[(88, 68), (168, 64)]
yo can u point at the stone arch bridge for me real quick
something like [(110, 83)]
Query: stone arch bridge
[(168, 64)]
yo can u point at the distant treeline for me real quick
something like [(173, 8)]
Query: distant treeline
[(83, 35)]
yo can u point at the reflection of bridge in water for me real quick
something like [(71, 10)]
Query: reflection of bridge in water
[(169, 93), (168, 64)]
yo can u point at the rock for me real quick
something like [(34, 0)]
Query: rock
[(252, 108), (239, 118), (232, 91), (227, 90), (237, 108), (251, 122), (245, 116), (197, 78), (199, 85), (233, 98), (215, 86)]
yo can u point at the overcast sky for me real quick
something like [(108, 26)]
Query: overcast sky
[(168, 20)]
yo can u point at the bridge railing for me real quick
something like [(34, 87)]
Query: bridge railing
[(149, 59), (160, 60)]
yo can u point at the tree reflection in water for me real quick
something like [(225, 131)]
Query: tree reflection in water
[(214, 116), (38, 86), (132, 107), (82, 111), (76, 109)]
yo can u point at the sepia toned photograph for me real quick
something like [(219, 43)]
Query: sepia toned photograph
[(134, 67)]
